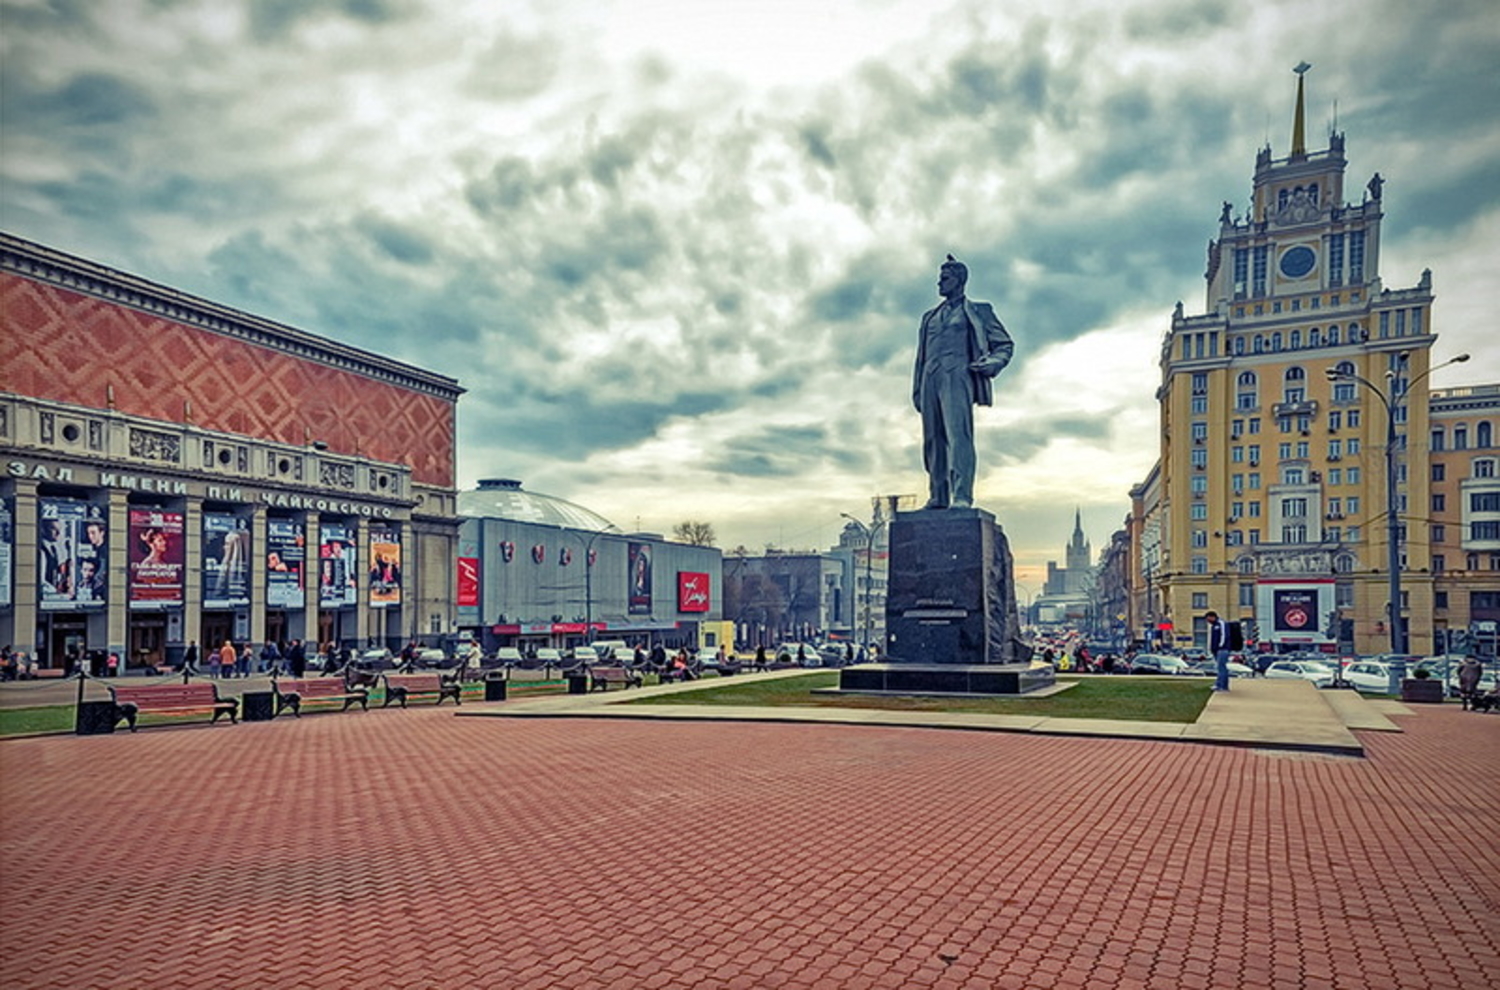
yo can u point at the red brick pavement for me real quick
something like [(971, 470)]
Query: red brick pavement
[(416, 849)]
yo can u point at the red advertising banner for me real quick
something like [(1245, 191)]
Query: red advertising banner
[(468, 582), (156, 557), (692, 591)]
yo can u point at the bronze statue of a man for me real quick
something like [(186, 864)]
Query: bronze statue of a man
[(961, 347)]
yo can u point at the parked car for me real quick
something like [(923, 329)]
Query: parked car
[(508, 656), (1320, 674), (1157, 663), (432, 659), (1487, 680), (1369, 676), (374, 660), (610, 649), (804, 654), (549, 654), (1207, 668)]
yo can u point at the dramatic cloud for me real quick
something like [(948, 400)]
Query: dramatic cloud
[(677, 252)]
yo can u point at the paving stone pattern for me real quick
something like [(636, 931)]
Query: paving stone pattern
[(416, 849)]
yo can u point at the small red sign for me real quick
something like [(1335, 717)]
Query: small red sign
[(692, 591)]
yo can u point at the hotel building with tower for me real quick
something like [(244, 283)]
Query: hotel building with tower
[(1268, 503)]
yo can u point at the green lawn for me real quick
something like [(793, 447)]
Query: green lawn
[(20, 721), (1131, 698)]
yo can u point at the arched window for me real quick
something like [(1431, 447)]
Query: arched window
[(1276, 341), (1356, 334), (1344, 367), (1333, 336), (1246, 395), (1296, 342), (1483, 435), (1295, 374), (1314, 338), (1260, 343), (1239, 345)]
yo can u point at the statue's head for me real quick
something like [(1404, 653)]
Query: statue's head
[(952, 276)]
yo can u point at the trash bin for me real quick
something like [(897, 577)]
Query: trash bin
[(95, 718), (578, 684), (494, 688), (257, 706)]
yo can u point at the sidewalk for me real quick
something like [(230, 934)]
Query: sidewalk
[(1274, 714)]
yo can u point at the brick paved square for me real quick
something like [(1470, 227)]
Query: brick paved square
[(420, 849)]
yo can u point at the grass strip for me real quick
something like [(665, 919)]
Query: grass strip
[(1127, 698)]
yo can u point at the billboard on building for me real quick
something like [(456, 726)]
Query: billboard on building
[(156, 557), (226, 560), (638, 556), (468, 582), (1294, 611), (286, 557), (385, 567), (692, 591), (338, 559), (7, 543), (72, 555)]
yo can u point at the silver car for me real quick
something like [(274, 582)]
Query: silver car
[(1321, 675)]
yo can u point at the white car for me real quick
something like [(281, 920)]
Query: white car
[(810, 657), (1487, 681), (1369, 676), (1320, 674), (507, 655), (549, 654)]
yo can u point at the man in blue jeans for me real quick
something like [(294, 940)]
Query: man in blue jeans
[(1218, 645)]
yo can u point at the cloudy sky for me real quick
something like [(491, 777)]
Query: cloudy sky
[(676, 250)]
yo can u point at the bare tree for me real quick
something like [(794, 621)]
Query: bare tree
[(695, 533)]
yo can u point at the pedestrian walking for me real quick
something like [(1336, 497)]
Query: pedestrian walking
[(242, 668), (227, 657)]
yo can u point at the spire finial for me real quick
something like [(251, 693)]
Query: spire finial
[(1299, 140)]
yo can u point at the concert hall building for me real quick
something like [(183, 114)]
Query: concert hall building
[(177, 471)]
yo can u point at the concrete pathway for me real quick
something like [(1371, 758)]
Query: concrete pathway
[(1284, 714)]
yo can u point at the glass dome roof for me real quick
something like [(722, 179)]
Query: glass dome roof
[(503, 498)]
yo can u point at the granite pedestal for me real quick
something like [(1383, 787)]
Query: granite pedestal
[(951, 620)]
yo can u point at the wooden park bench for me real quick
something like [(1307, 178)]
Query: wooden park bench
[(602, 677), (293, 693), (196, 698), (401, 687)]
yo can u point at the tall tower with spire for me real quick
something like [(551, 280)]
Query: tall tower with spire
[(1271, 475), (1079, 556)]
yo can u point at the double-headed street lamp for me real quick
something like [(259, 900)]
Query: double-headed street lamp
[(1393, 398), (869, 534)]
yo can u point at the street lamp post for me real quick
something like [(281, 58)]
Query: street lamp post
[(588, 583), (1393, 398), (869, 535)]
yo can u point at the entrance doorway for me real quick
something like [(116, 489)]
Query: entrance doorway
[(148, 640), (215, 628), (67, 641)]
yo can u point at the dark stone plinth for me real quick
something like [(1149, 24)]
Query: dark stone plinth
[(951, 596), (944, 678)]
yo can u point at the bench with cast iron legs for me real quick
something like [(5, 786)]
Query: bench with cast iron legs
[(196, 698), (401, 687), (294, 692)]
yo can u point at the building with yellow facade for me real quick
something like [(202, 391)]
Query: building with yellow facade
[(1268, 503)]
